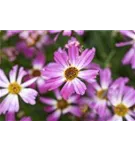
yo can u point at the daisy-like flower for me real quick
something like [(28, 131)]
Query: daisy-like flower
[(37, 71), (129, 57), (59, 106), (36, 38), (72, 70), (86, 109), (11, 117), (122, 99), (98, 92), (14, 88), (10, 33), (68, 32)]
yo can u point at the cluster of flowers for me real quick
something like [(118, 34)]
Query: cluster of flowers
[(81, 88)]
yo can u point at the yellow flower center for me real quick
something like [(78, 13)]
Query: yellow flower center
[(84, 108), (102, 94), (14, 88), (71, 73), (36, 73), (62, 104), (121, 110)]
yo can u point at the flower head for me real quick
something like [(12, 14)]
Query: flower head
[(72, 69), (14, 88), (122, 100), (38, 64), (60, 106)]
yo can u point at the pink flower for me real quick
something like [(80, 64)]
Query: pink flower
[(59, 106), (68, 32), (11, 117), (129, 57), (37, 71), (98, 92), (122, 100), (14, 88), (72, 69)]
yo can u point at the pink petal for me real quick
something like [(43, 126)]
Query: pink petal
[(79, 86), (49, 109), (26, 119), (48, 101), (86, 58), (39, 61), (61, 57), (67, 90), (54, 116), (105, 78), (73, 52), (10, 116)]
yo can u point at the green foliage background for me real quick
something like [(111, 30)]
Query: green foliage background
[(107, 55)]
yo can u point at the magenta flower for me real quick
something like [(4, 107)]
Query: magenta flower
[(98, 92), (68, 32), (72, 69), (14, 88), (59, 106), (11, 33), (37, 71), (86, 109), (122, 100), (11, 117), (129, 57)]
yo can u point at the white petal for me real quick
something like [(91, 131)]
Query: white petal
[(28, 95), (29, 82), (3, 92)]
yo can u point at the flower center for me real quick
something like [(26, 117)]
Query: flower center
[(14, 88), (102, 94), (84, 108), (121, 110), (62, 104), (71, 73), (36, 73)]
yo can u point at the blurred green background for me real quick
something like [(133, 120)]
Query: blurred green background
[(107, 55)]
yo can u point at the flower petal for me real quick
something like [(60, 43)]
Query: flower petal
[(3, 77), (61, 57), (73, 52), (48, 101), (9, 104), (21, 74), (28, 95), (54, 83), (67, 90), (105, 78), (26, 119), (86, 58), (79, 86), (129, 118), (10, 116), (88, 75), (39, 61), (3, 92), (49, 108), (54, 116), (13, 74), (29, 82)]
